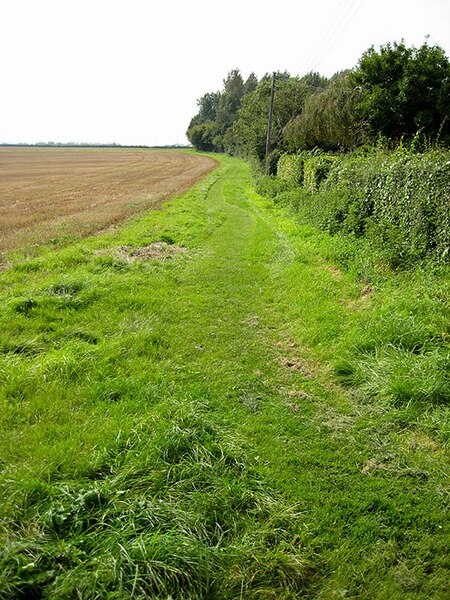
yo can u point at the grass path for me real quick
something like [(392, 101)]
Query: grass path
[(173, 428)]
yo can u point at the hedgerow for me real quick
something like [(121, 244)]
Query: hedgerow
[(290, 168), (316, 170), (399, 202)]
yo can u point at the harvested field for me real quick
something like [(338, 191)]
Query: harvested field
[(50, 194)]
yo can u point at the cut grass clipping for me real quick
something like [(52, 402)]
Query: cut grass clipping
[(172, 511)]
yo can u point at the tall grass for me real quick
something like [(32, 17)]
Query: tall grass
[(187, 517), (388, 218)]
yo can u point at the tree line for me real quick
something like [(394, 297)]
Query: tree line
[(396, 92)]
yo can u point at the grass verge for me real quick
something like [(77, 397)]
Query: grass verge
[(223, 420)]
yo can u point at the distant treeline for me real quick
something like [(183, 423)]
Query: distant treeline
[(395, 92)]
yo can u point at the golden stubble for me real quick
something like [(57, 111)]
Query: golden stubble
[(49, 193)]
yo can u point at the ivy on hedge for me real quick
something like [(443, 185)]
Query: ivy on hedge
[(399, 201)]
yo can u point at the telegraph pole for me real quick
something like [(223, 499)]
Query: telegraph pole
[(269, 126)]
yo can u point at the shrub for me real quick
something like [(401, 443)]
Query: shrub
[(290, 168), (316, 170), (411, 212), (398, 201), (270, 186)]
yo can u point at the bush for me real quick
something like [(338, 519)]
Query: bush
[(399, 201), (411, 213), (316, 170), (290, 168), (270, 186)]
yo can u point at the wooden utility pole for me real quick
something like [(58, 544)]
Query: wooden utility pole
[(269, 126)]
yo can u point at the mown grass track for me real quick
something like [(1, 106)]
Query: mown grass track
[(172, 427)]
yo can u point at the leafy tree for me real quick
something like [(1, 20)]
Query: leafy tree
[(230, 100), (329, 119), (202, 136), (314, 80), (208, 129), (202, 128), (207, 109), (250, 128), (404, 89), (250, 84)]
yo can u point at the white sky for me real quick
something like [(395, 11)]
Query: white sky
[(130, 71)]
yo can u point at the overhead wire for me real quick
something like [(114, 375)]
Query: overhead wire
[(330, 35), (340, 25), (344, 28), (329, 26)]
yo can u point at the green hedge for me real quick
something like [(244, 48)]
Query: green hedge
[(315, 171), (290, 168), (411, 212), (400, 202)]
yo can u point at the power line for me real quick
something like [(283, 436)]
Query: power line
[(340, 25), (341, 33), (330, 24), (337, 25)]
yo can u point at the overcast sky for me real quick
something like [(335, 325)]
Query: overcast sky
[(130, 71)]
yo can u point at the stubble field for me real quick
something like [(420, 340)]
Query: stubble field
[(50, 194)]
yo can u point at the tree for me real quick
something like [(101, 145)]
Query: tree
[(250, 84), (329, 119), (202, 136), (315, 80), (207, 109), (250, 128), (209, 128), (230, 100), (404, 89)]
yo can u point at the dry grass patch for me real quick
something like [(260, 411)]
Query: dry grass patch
[(365, 295), (419, 441), (295, 363), (334, 271), (155, 251)]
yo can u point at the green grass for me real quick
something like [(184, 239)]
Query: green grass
[(241, 420)]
